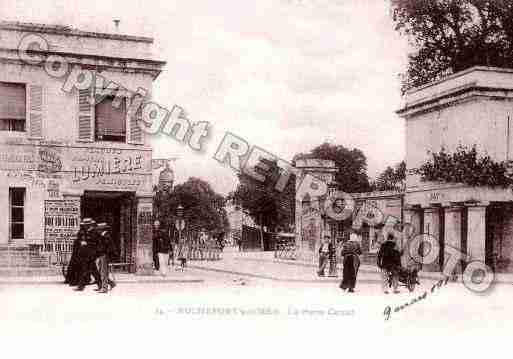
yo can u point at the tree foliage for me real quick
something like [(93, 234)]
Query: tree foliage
[(391, 179), (265, 204), (452, 35), (351, 163), (466, 166), (203, 207)]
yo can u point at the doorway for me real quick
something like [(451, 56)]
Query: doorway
[(117, 210)]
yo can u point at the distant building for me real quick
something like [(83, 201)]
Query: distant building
[(63, 157)]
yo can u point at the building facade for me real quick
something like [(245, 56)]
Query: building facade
[(65, 157), (473, 107)]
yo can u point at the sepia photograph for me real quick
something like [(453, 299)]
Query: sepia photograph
[(200, 178)]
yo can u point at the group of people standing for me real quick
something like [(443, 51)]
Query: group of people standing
[(167, 244), (92, 250), (388, 260), (350, 253)]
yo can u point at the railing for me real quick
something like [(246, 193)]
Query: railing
[(194, 251), (285, 251)]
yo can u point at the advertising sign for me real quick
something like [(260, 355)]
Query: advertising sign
[(62, 220)]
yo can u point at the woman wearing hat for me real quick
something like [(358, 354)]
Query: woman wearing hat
[(351, 251)]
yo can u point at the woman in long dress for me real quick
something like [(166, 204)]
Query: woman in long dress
[(351, 251)]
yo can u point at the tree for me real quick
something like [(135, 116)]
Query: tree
[(452, 35), (203, 207), (391, 179), (264, 203), (351, 164)]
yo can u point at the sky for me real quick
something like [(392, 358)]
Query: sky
[(285, 75)]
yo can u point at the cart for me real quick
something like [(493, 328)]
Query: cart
[(408, 277)]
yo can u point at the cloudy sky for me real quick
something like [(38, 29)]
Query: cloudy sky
[(285, 75)]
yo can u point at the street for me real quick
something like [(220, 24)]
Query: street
[(222, 298)]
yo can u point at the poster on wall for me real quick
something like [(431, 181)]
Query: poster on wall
[(62, 220)]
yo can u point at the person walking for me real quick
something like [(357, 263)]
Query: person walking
[(161, 246), (351, 251), (87, 255), (325, 249), (105, 251), (72, 277), (389, 261)]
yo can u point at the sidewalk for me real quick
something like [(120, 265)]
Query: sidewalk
[(172, 277)]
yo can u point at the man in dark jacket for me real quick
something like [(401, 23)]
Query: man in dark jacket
[(105, 250), (73, 270), (87, 255), (389, 260), (161, 246)]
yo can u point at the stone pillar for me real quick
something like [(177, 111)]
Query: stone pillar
[(476, 232), (143, 240), (432, 227), (452, 234), (411, 217)]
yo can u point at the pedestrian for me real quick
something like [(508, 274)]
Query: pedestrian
[(87, 254), (72, 277), (105, 251), (220, 240), (351, 251), (325, 249), (389, 261), (161, 246)]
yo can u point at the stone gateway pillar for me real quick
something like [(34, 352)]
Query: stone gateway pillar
[(476, 235)]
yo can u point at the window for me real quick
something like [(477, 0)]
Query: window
[(110, 122), (17, 217), (12, 106)]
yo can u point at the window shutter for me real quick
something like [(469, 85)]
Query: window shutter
[(85, 116), (35, 107), (135, 135)]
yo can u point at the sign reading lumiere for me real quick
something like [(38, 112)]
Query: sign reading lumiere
[(79, 167)]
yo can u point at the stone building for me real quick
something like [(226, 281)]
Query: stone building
[(64, 157), (472, 107)]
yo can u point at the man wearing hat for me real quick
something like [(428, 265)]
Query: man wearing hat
[(87, 254), (325, 251), (105, 250)]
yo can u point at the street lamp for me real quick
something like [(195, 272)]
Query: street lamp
[(180, 225), (180, 222)]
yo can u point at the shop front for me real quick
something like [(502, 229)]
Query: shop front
[(50, 187)]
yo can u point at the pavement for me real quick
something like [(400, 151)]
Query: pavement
[(173, 276), (265, 265)]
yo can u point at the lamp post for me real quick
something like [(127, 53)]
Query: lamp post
[(180, 222)]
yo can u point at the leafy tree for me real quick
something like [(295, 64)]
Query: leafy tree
[(451, 35), (391, 179), (351, 164), (203, 207), (264, 203)]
